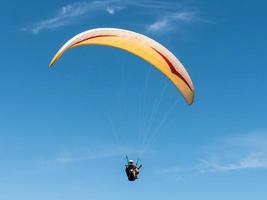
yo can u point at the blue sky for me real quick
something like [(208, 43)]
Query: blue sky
[(64, 131)]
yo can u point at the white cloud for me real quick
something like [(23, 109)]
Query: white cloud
[(112, 10), (68, 157), (251, 161), (69, 13), (171, 21), (243, 152), (72, 12), (63, 160), (158, 25)]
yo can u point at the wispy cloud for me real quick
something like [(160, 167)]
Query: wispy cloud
[(69, 13), (243, 152), (72, 13), (251, 161), (171, 21), (68, 157), (113, 9)]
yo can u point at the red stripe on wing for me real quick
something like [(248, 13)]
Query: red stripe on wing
[(172, 68), (96, 36)]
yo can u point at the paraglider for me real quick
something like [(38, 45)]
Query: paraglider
[(145, 48)]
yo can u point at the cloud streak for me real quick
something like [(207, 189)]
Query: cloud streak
[(69, 157), (251, 161), (72, 13), (249, 152), (171, 21), (114, 9), (69, 13)]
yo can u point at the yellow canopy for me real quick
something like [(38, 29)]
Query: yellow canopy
[(141, 46)]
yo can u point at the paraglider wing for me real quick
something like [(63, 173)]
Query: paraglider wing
[(141, 46)]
